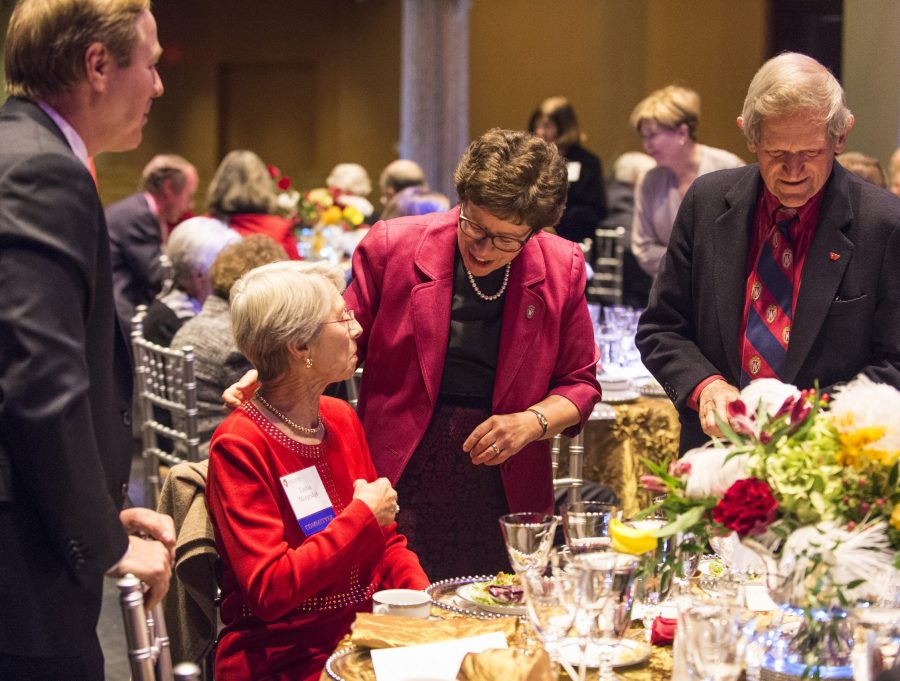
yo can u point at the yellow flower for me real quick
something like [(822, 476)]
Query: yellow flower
[(320, 197), (895, 517), (353, 215), (331, 215), (627, 539), (855, 450)]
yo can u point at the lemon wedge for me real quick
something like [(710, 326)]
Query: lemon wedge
[(628, 539)]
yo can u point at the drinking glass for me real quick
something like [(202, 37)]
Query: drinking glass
[(552, 599), (586, 525), (608, 338), (606, 606), (714, 639), (528, 538)]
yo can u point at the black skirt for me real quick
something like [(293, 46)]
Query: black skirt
[(449, 507)]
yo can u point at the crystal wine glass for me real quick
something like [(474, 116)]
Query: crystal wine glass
[(714, 639)]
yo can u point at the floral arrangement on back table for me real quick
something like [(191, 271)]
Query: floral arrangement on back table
[(318, 207), (807, 482)]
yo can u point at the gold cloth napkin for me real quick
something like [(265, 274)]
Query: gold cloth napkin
[(505, 665), (389, 631)]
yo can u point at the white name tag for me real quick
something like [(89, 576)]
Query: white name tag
[(309, 500), (574, 170)]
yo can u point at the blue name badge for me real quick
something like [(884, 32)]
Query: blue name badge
[(309, 500)]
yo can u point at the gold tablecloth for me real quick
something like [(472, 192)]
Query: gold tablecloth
[(647, 428)]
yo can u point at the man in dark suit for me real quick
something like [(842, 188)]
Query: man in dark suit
[(138, 225), (81, 75), (786, 268)]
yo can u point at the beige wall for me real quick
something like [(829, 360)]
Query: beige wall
[(606, 55), (871, 73)]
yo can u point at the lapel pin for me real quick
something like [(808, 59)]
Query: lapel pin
[(529, 312), (834, 256)]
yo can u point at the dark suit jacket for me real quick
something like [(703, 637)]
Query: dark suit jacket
[(135, 243), (65, 393), (847, 319)]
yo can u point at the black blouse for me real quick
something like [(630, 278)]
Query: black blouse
[(471, 362)]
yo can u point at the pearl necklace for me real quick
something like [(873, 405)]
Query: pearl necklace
[(499, 293), (303, 430)]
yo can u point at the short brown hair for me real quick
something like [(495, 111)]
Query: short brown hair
[(47, 39), (669, 107), (514, 176), (237, 259), (867, 167), (560, 111), (242, 184)]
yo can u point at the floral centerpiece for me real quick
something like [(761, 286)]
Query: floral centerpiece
[(808, 483)]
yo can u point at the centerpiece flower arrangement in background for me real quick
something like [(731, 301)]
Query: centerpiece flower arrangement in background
[(809, 484)]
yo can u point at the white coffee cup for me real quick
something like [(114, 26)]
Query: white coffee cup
[(402, 602)]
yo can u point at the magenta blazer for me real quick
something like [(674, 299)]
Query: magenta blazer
[(401, 292)]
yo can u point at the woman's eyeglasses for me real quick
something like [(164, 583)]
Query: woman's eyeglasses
[(502, 243), (346, 316)]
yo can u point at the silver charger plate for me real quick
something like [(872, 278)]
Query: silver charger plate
[(335, 666), (444, 595)]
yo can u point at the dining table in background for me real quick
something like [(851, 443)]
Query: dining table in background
[(613, 448)]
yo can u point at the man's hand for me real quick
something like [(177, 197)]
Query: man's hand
[(148, 560), (150, 525), (378, 496), (713, 400), (238, 393), (508, 433)]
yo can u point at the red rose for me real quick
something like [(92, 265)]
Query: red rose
[(748, 507), (284, 183), (274, 171)]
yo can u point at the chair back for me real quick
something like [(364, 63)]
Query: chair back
[(609, 264), (148, 642), (352, 387), (575, 479), (167, 401)]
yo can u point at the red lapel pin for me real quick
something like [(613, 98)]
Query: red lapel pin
[(834, 256)]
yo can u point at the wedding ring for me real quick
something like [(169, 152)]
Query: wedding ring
[(496, 451)]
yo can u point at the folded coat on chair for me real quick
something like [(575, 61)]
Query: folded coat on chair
[(190, 604)]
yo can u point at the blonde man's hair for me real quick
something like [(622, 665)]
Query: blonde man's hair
[(47, 39), (514, 176), (669, 107), (867, 167), (242, 184), (279, 306), (792, 83)]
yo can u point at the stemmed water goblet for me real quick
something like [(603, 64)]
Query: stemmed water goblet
[(605, 614), (552, 599), (528, 538), (713, 631), (586, 525)]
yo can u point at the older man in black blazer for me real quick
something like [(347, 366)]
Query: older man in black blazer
[(82, 76), (786, 268)]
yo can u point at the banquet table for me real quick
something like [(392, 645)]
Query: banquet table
[(645, 428)]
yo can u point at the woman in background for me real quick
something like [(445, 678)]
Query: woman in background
[(242, 195), (303, 525), (667, 123), (554, 121)]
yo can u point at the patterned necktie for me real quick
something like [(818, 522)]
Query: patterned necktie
[(770, 312)]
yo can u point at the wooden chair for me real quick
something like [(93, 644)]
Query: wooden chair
[(609, 264), (167, 401), (148, 642)]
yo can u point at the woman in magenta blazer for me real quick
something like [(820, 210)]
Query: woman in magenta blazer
[(478, 349)]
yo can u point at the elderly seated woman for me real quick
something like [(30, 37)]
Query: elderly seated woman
[(304, 526)]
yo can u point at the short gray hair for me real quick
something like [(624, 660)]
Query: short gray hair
[(194, 245), (791, 83), (280, 305)]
